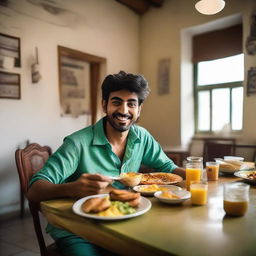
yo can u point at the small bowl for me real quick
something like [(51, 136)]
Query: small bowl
[(130, 179), (183, 194), (234, 158), (150, 192)]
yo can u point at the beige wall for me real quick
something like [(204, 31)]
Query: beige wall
[(161, 31), (100, 27)]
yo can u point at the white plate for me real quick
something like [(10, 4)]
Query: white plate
[(142, 208), (244, 174), (234, 171), (184, 195), (151, 193)]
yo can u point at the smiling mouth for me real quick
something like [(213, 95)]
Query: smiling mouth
[(122, 118)]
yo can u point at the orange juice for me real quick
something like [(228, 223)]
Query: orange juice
[(192, 175), (212, 170), (235, 208), (199, 194)]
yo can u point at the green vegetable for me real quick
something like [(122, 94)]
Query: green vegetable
[(123, 207)]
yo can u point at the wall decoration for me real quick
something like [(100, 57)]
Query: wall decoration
[(164, 76), (251, 40), (79, 78), (35, 69), (74, 86), (9, 85), (9, 51), (251, 81)]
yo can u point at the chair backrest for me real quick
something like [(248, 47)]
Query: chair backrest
[(214, 149), (29, 161)]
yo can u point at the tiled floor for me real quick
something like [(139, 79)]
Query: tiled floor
[(17, 237)]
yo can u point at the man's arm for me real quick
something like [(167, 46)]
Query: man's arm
[(180, 171), (87, 184)]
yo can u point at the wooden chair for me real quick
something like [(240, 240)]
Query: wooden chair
[(218, 148), (28, 161)]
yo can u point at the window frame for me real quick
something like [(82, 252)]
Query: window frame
[(198, 88)]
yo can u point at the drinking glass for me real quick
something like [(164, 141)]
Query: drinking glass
[(194, 170), (236, 198), (212, 170), (199, 192)]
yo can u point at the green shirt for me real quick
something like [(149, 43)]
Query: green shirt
[(89, 151)]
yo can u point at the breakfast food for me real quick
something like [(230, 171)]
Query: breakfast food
[(117, 209), (153, 188), (170, 195), (131, 198), (252, 176), (95, 205), (130, 179), (160, 178), (119, 202)]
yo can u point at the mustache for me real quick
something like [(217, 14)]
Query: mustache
[(122, 115)]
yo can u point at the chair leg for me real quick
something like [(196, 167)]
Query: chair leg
[(22, 202)]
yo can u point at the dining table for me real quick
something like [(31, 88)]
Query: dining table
[(165, 229)]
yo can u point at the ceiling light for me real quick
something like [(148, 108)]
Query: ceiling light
[(209, 7)]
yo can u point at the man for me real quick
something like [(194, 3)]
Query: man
[(81, 166)]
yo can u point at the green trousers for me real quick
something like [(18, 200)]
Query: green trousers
[(73, 245)]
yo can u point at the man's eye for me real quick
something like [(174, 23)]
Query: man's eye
[(116, 103), (132, 104)]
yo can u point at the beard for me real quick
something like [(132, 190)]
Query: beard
[(117, 124)]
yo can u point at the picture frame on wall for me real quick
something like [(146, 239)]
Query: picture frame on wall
[(251, 81), (9, 51), (9, 85), (79, 76), (164, 76)]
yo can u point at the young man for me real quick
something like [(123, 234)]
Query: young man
[(81, 166)]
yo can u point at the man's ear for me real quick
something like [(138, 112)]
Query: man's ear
[(104, 106)]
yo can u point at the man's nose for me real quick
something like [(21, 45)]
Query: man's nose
[(123, 108)]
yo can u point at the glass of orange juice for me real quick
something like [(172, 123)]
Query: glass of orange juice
[(212, 170), (194, 170), (236, 198), (199, 192)]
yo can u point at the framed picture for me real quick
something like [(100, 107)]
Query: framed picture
[(9, 51), (9, 85), (164, 76), (78, 82), (251, 81)]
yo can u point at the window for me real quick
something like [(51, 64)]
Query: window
[(219, 93)]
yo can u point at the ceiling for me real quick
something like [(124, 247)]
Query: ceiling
[(141, 6)]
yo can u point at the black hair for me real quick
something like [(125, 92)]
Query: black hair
[(125, 81)]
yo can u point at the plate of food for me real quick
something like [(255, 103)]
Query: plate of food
[(230, 166), (248, 176), (160, 178), (173, 197), (117, 205), (149, 190)]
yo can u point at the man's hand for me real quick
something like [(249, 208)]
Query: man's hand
[(88, 184)]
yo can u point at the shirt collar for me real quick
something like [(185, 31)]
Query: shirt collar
[(99, 137)]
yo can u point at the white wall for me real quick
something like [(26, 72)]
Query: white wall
[(161, 37), (100, 27)]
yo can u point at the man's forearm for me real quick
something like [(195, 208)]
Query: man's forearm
[(180, 171), (42, 190)]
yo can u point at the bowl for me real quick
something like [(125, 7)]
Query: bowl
[(182, 194), (234, 158), (149, 190), (130, 179)]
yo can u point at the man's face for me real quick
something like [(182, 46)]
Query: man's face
[(122, 109)]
